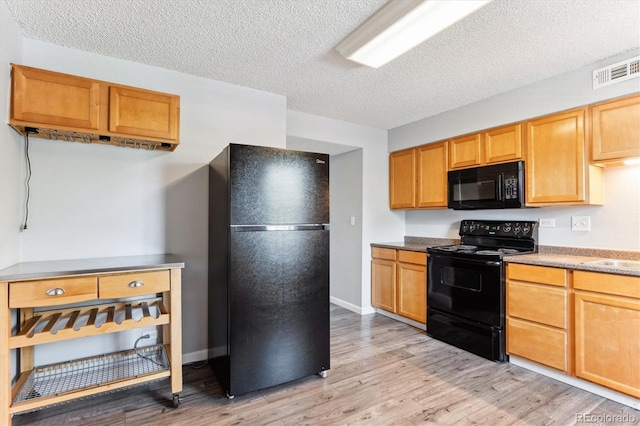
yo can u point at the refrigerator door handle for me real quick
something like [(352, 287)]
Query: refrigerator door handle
[(299, 227)]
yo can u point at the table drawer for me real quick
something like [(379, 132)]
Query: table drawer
[(52, 292), (133, 284)]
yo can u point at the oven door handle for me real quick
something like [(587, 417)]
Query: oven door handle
[(493, 263), (500, 187)]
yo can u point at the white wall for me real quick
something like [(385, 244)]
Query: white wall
[(101, 201), (614, 225), (346, 237), (11, 147), (378, 222)]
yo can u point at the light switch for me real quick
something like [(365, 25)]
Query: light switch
[(581, 223)]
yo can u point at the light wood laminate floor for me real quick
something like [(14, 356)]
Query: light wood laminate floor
[(382, 373)]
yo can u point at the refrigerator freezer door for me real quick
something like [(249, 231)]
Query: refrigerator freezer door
[(276, 186), (278, 307)]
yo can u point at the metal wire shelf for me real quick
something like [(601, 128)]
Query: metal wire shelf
[(57, 379)]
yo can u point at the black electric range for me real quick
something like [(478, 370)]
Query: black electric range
[(466, 284)]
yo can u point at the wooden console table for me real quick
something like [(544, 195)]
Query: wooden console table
[(63, 300)]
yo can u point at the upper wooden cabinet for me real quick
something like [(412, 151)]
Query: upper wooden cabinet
[(44, 97), (402, 179), (431, 188), (492, 146), (418, 177), (465, 151), (615, 130), (143, 113), (556, 168), (503, 144), (67, 107)]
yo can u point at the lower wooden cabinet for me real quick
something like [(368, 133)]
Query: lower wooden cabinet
[(383, 278), (607, 330), (538, 315), (399, 282), (590, 329)]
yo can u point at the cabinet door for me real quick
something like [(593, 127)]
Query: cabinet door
[(465, 151), (608, 341), (383, 284), (540, 343), (503, 144), (616, 129), (555, 163), (143, 113), (45, 97), (412, 291), (402, 179), (432, 175)]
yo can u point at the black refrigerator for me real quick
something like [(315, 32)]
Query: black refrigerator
[(268, 266)]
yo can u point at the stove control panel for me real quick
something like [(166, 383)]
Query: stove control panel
[(512, 229)]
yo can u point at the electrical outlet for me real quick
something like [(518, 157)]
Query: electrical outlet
[(152, 332), (547, 223), (353, 221), (581, 223)]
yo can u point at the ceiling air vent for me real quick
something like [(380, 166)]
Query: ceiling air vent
[(616, 73)]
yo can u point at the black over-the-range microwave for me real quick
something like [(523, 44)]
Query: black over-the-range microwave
[(500, 186)]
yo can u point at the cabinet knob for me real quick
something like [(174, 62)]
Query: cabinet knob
[(54, 291), (135, 284)]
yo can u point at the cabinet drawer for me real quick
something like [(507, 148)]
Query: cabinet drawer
[(418, 258), (539, 303), (383, 253), (52, 292), (133, 284), (620, 285), (537, 274), (538, 343)]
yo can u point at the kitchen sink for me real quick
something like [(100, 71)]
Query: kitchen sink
[(634, 264)]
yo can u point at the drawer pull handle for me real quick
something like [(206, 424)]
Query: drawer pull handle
[(54, 291), (135, 284)]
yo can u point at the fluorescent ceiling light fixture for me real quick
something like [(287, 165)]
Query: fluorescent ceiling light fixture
[(632, 161), (401, 25)]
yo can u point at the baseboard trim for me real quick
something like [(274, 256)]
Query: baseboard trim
[(350, 306), (578, 383), (411, 322)]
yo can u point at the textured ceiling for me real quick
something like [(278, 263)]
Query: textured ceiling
[(286, 47)]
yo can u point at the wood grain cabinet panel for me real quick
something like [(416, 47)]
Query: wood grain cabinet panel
[(556, 167), (607, 339), (432, 175), (400, 286), (402, 179), (541, 304), (615, 129), (538, 315), (503, 144), (143, 113), (383, 284), (51, 292), (539, 343), (465, 151), (53, 98), (134, 284)]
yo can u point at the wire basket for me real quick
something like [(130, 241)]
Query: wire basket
[(56, 379)]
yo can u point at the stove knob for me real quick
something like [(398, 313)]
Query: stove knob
[(465, 227), (472, 227), (507, 228), (516, 230), (526, 229)]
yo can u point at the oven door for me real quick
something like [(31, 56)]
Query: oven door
[(471, 289)]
